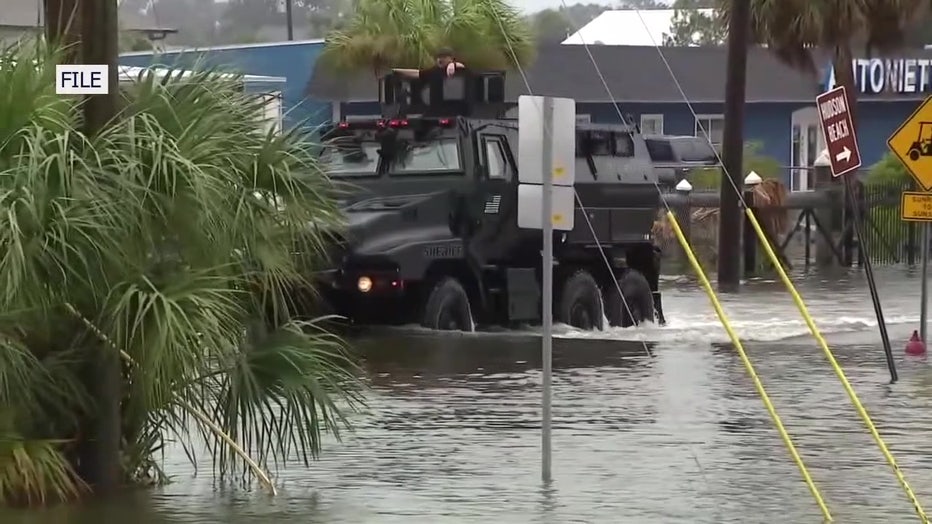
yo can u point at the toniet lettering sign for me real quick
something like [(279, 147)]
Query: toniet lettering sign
[(888, 75)]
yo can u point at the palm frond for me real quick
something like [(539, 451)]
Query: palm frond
[(793, 28), (405, 33), (35, 473), (166, 235), (281, 391)]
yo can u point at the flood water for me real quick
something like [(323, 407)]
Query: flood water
[(650, 425)]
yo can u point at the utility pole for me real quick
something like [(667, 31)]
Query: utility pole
[(289, 17), (729, 224), (99, 45)]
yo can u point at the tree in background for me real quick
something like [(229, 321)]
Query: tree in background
[(692, 27), (206, 22), (381, 34), (792, 28), (197, 21), (551, 26), (888, 170), (641, 4)]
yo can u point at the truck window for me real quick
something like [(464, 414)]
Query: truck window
[(347, 156), (624, 145), (660, 150), (604, 143), (496, 161), (435, 155)]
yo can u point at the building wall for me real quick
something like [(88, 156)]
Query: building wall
[(876, 122), (291, 60)]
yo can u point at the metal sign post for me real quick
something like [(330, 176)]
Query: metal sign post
[(923, 307), (844, 156), (917, 207), (912, 143), (546, 201), (546, 343)]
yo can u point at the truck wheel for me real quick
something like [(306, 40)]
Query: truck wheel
[(580, 302), (638, 296), (447, 307)]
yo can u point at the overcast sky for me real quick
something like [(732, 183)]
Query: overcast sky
[(537, 5)]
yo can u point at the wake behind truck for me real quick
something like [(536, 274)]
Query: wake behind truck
[(432, 236)]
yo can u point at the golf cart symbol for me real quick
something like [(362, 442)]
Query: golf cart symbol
[(923, 144)]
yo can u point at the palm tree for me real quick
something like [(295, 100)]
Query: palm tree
[(792, 29), (169, 239), (486, 34)]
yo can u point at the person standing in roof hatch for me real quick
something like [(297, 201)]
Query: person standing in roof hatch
[(445, 65)]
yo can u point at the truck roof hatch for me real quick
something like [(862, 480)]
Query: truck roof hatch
[(467, 93)]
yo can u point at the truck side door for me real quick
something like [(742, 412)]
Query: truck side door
[(496, 194)]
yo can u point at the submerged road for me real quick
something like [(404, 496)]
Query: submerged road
[(679, 435)]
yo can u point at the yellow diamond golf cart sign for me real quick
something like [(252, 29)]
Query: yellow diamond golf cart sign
[(912, 144)]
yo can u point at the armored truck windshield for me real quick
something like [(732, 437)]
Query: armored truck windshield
[(397, 147), (437, 155), (350, 156)]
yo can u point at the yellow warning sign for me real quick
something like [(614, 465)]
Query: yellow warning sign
[(916, 207), (559, 172), (557, 218), (912, 144)]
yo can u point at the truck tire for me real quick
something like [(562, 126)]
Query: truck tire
[(447, 307), (638, 296), (580, 302)]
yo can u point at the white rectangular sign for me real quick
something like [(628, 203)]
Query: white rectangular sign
[(82, 79), (531, 135), (531, 207)]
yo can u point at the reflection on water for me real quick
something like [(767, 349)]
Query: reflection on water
[(665, 431)]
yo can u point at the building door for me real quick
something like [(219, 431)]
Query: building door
[(806, 142)]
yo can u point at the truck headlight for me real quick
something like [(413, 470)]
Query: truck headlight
[(364, 284)]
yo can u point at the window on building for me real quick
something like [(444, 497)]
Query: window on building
[(812, 145), (713, 125), (496, 162), (796, 158), (652, 124)]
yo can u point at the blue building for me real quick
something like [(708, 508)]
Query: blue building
[(291, 60), (780, 112)]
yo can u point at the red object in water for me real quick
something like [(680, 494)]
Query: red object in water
[(915, 346)]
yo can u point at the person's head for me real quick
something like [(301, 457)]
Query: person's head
[(443, 57)]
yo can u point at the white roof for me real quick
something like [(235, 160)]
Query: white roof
[(625, 27), (130, 74)]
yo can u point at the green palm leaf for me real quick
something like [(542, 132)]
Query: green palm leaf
[(169, 237), (405, 33)]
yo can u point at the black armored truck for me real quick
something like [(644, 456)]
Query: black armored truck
[(432, 236)]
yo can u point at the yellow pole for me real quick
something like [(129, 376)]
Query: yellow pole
[(758, 385), (858, 406)]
